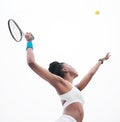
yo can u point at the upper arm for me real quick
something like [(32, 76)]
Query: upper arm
[(45, 74), (56, 81), (85, 80)]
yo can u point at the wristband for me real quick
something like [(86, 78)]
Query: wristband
[(101, 61), (29, 45)]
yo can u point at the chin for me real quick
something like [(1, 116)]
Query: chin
[(76, 75)]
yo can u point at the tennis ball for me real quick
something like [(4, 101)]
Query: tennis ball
[(97, 12)]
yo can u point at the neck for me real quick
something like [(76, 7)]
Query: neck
[(69, 78)]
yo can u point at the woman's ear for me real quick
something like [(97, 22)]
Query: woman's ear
[(65, 70)]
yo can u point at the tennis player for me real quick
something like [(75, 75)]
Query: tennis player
[(61, 75)]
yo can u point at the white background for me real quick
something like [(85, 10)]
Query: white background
[(68, 31)]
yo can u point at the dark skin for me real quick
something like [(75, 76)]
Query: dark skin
[(63, 85)]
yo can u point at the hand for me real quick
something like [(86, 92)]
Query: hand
[(107, 56), (29, 36)]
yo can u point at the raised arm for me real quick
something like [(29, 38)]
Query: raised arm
[(83, 83), (54, 80)]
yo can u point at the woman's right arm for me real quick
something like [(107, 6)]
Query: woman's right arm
[(54, 80), (42, 72)]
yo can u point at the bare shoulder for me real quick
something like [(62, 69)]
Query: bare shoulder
[(60, 84)]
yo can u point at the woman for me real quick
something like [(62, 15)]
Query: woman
[(61, 76)]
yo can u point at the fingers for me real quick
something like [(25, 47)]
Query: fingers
[(29, 36), (107, 56)]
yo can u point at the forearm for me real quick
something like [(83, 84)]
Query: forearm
[(93, 70), (100, 61), (86, 79), (30, 56)]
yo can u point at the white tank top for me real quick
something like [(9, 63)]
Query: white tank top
[(72, 96)]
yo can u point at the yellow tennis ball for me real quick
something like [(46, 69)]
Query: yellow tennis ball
[(97, 12)]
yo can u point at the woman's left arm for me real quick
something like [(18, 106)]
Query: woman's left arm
[(83, 83)]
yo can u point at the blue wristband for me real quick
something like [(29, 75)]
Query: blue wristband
[(29, 45)]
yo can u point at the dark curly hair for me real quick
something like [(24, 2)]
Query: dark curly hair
[(56, 68)]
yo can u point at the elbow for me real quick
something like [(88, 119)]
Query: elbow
[(31, 64)]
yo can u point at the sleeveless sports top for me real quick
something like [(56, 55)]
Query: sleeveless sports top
[(72, 96)]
